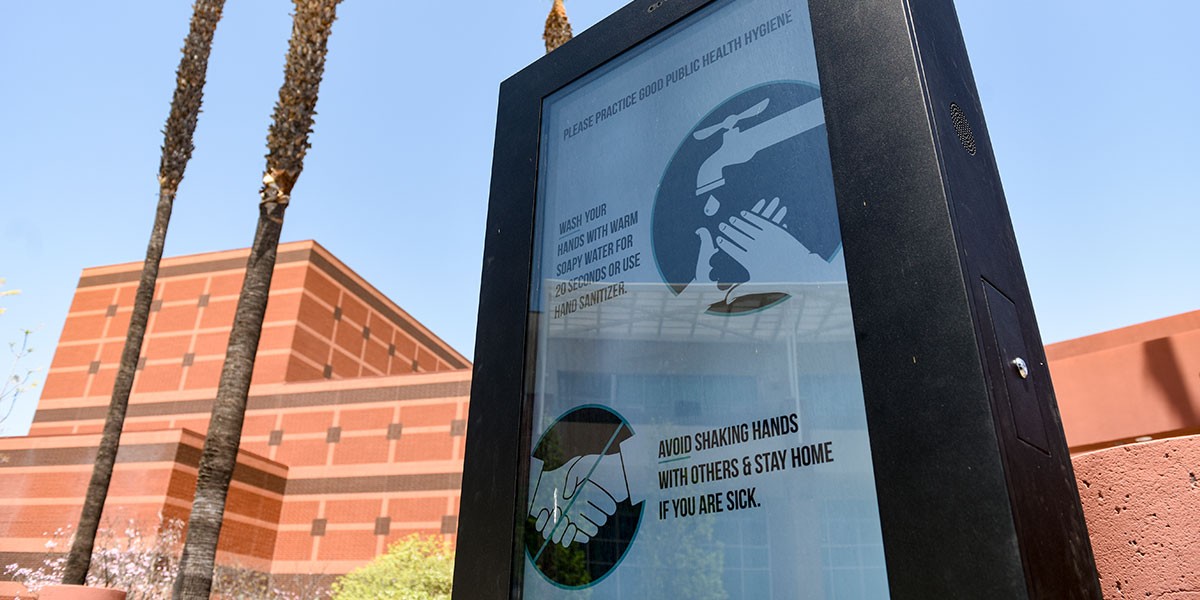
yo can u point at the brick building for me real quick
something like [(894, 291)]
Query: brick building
[(354, 430)]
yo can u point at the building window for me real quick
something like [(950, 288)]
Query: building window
[(450, 524), (156, 306), (383, 525), (394, 431), (189, 359), (112, 311), (458, 427), (337, 313), (318, 527), (276, 438), (333, 435), (366, 332), (415, 365), (94, 367), (203, 301), (328, 371)]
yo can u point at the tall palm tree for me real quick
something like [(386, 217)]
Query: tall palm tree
[(558, 28), (176, 150), (287, 142)]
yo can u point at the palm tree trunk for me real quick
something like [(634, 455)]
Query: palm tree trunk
[(287, 142), (176, 151)]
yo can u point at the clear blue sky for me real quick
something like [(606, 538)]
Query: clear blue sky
[(1091, 106)]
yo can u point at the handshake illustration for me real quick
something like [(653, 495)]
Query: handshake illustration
[(572, 502)]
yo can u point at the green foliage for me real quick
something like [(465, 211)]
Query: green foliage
[(415, 568), (565, 565)]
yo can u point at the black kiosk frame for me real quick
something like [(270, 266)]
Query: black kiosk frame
[(976, 492)]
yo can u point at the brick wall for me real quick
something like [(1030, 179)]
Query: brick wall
[(43, 480), (354, 432)]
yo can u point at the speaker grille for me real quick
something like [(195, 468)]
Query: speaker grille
[(963, 128)]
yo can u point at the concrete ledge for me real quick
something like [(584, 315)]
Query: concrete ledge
[(79, 592), (11, 589), (1142, 503)]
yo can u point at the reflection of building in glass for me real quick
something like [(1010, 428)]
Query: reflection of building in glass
[(353, 436), (637, 347), (671, 366), (847, 551)]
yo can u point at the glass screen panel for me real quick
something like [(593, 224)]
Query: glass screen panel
[(698, 428)]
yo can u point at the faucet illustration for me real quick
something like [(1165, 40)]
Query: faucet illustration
[(738, 146)]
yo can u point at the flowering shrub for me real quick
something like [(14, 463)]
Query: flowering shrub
[(145, 565)]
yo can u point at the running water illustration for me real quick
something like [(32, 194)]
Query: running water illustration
[(746, 207)]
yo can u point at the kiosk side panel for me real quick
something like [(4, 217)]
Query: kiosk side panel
[(1049, 520), (483, 566), (947, 523)]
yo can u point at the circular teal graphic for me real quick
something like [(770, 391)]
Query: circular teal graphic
[(575, 444), (763, 151)]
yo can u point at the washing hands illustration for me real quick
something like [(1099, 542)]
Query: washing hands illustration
[(768, 251), (572, 502), (757, 238), (759, 241)]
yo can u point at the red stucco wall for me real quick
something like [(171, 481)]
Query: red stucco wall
[(1117, 386), (1142, 503)]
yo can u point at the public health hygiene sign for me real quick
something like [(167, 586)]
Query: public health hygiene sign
[(698, 425)]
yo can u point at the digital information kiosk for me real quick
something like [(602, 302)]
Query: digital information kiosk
[(753, 323)]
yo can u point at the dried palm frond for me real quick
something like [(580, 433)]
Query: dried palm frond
[(558, 28)]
